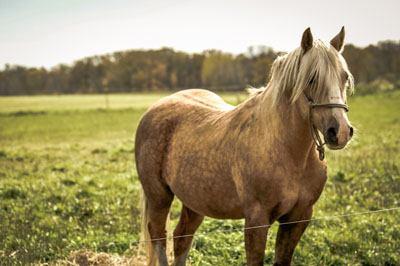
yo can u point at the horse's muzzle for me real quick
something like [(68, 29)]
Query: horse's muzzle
[(336, 137)]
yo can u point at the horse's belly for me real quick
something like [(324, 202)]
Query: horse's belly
[(208, 196), (212, 206)]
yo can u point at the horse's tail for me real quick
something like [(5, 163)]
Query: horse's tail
[(145, 239)]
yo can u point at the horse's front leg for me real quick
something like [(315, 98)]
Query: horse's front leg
[(289, 235), (255, 235)]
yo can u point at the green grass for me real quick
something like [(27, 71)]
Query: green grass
[(68, 181), (68, 127), (76, 102), (86, 102)]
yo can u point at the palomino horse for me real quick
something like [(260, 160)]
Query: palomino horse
[(256, 161)]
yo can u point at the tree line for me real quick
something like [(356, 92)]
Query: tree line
[(167, 69)]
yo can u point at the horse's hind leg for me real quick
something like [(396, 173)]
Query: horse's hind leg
[(152, 140), (187, 226), (157, 211)]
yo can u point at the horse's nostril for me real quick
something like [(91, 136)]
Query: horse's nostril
[(331, 134), (351, 131)]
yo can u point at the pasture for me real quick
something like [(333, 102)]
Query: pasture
[(68, 182)]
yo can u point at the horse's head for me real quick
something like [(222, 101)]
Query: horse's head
[(323, 79)]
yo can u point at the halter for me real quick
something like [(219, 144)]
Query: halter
[(313, 130)]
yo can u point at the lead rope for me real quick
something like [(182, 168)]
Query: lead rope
[(313, 129), (314, 134)]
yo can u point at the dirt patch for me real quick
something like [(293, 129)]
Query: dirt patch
[(87, 257)]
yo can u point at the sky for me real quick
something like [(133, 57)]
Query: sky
[(49, 32)]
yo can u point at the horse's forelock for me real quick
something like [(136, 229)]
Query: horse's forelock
[(293, 72)]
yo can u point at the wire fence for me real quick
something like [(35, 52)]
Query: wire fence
[(259, 226)]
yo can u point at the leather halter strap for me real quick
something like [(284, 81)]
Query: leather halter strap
[(313, 129)]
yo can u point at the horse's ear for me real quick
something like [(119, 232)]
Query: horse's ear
[(338, 40), (307, 40)]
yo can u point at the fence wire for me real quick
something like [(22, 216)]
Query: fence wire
[(134, 243), (268, 225)]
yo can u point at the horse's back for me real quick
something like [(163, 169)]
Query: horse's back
[(193, 98)]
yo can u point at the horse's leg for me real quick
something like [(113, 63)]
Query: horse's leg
[(157, 214), (256, 238), (188, 224), (289, 235)]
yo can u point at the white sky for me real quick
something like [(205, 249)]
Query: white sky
[(49, 32)]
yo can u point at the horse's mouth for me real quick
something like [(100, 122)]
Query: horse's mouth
[(333, 145)]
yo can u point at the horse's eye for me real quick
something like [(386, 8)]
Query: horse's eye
[(312, 80), (346, 77)]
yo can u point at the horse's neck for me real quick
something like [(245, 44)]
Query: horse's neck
[(285, 127)]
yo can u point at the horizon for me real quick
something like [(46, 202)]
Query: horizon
[(47, 34)]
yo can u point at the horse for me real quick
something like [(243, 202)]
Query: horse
[(262, 160)]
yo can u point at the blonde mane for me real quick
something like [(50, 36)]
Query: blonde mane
[(292, 73)]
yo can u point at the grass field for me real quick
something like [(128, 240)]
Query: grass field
[(68, 182), (44, 103)]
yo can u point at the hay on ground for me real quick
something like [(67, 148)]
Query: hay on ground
[(87, 257)]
